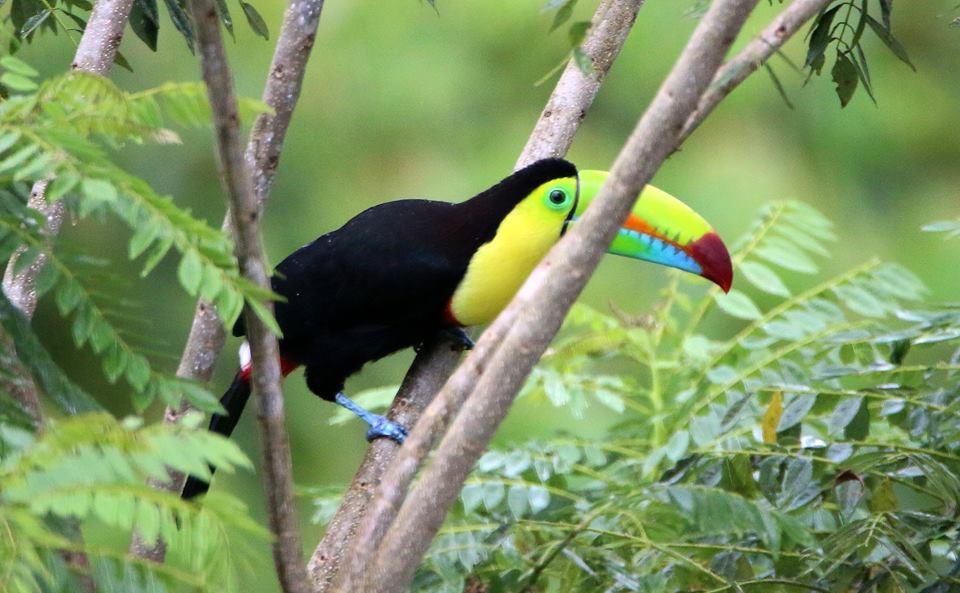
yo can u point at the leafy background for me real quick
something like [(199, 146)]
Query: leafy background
[(441, 105)]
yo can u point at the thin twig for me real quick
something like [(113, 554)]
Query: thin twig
[(552, 136), (278, 478), (537, 311), (751, 57), (281, 92)]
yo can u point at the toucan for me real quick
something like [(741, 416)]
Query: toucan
[(398, 273)]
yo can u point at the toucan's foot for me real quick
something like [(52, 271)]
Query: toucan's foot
[(379, 425), (382, 427), (460, 338)]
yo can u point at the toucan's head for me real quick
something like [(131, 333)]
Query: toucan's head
[(661, 229)]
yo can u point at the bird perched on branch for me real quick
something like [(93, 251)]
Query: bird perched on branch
[(398, 273)]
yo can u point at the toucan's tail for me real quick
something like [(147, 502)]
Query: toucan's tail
[(233, 401)]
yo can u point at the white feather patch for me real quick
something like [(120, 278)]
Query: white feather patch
[(244, 353)]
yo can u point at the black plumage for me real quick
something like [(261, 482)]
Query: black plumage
[(380, 283)]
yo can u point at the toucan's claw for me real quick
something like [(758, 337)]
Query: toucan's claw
[(460, 338), (380, 426)]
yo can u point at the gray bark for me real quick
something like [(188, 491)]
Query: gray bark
[(536, 313), (245, 222)]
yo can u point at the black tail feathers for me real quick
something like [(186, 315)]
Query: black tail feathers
[(233, 401)]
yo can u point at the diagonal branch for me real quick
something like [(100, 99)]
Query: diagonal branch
[(552, 136), (245, 221), (751, 57), (401, 473), (537, 311)]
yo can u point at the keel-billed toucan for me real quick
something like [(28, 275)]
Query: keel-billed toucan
[(396, 274)]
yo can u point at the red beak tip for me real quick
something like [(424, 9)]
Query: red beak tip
[(714, 259)]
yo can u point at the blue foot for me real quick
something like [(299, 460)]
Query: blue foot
[(379, 425), (383, 427)]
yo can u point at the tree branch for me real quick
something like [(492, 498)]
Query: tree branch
[(415, 392), (751, 57), (281, 92), (245, 219), (552, 136), (95, 53), (537, 311)]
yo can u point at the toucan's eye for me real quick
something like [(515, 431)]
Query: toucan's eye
[(557, 198)]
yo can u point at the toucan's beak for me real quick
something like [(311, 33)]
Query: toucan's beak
[(663, 230)]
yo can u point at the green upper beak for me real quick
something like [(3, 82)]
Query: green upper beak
[(663, 230)]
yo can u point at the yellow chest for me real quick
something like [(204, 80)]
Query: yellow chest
[(500, 266)]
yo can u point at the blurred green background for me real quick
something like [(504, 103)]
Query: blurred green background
[(402, 101)]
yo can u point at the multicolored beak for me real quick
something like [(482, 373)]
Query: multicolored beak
[(663, 230)]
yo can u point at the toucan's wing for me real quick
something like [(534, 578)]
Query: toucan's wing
[(396, 263)]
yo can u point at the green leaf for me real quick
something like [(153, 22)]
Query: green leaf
[(819, 39), (942, 226), (777, 84), (858, 429), (471, 496), (539, 498), (254, 19), (98, 190), (892, 44), (8, 139), (34, 22), (563, 15), (845, 77), (181, 21), (583, 61), (861, 63), (62, 184), (886, 7), (266, 316), (737, 304), (69, 296), (190, 272), (493, 494), (16, 159), (120, 60), (577, 33), (18, 66), (68, 396), (554, 4), (858, 299), (844, 414), (224, 11), (517, 501), (144, 22), (796, 410), (137, 371), (786, 255), (676, 447), (763, 278)]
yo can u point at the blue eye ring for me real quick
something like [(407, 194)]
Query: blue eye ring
[(557, 198)]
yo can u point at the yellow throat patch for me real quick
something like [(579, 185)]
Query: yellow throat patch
[(499, 267)]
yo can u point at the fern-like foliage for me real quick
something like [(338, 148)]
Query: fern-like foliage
[(60, 130), (813, 448), (29, 18), (91, 469)]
